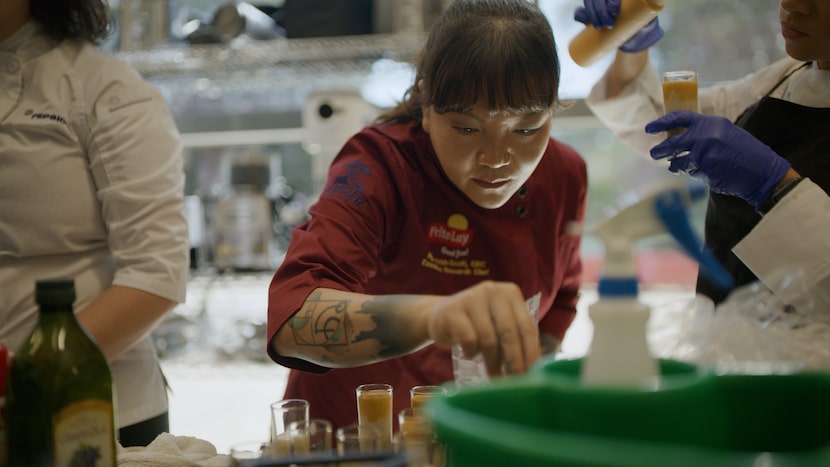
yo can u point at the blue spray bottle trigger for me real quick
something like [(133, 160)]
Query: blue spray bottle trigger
[(671, 210)]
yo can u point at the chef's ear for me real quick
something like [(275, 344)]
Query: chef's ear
[(425, 110)]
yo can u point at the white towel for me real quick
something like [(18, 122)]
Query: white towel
[(173, 451)]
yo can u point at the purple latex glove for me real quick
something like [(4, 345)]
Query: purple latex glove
[(603, 14), (725, 156)]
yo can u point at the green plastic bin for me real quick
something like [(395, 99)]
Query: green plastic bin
[(694, 418)]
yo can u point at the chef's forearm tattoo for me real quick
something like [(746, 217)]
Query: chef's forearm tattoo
[(393, 328), (335, 325), (323, 323)]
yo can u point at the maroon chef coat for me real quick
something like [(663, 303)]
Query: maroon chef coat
[(389, 221)]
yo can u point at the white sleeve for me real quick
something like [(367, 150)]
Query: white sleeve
[(627, 114), (135, 157), (792, 238)]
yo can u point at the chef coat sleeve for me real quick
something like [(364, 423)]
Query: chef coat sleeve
[(793, 238), (627, 113), (134, 153), (339, 246)]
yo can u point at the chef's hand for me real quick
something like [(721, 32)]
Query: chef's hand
[(725, 156), (603, 14), (491, 318)]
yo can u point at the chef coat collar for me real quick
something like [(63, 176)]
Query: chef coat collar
[(28, 42)]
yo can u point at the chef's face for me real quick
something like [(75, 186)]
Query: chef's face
[(805, 26), (488, 156)]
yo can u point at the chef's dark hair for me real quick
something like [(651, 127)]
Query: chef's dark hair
[(73, 19), (501, 51)]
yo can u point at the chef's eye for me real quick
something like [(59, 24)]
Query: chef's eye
[(527, 131), (465, 130)]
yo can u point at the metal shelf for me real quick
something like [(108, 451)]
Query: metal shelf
[(242, 137), (246, 55)]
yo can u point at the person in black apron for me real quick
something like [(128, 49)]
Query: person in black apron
[(750, 164), (797, 134)]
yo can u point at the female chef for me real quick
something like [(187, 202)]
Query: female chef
[(91, 187), (439, 224)]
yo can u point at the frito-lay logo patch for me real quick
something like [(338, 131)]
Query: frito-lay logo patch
[(455, 233), (450, 253)]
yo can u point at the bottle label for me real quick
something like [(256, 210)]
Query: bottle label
[(84, 435)]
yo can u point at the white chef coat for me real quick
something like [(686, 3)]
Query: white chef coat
[(793, 236), (91, 187)]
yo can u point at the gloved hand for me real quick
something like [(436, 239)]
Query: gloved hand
[(725, 156), (603, 14)]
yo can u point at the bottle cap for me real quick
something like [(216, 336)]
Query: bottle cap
[(57, 291)]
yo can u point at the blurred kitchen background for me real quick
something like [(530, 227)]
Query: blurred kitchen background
[(264, 93)]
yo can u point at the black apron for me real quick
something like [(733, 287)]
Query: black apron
[(797, 133)]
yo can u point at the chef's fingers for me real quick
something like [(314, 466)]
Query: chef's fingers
[(490, 318), (528, 331), (486, 301), (516, 334), (450, 324)]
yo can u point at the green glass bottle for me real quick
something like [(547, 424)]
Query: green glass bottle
[(59, 395)]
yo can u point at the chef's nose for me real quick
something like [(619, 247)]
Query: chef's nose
[(494, 155)]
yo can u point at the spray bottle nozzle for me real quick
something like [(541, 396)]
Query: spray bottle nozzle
[(661, 209), (671, 209)]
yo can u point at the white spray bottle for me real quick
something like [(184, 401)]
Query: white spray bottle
[(619, 355)]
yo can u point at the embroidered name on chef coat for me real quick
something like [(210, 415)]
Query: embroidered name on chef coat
[(453, 238)]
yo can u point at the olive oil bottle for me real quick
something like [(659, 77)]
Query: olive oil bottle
[(59, 400)]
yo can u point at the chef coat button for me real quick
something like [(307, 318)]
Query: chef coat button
[(522, 192), (521, 210), (114, 100), (12, 67)]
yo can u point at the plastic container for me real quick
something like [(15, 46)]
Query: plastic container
[(591, 44), (693, 418), (619, 354)]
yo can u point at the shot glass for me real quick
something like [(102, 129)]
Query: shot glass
[(374, 409), (679, 93), (312, 436), (419, 395), (248, 450), (416, 439), (283, 413), (356, 439), (414, 426)]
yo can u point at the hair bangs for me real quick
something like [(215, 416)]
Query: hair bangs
[(498, 53), (489, 66)]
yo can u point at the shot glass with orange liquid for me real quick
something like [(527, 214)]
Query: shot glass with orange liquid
[(417, 439), (679, 93), (419, 395), (374, 409)]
